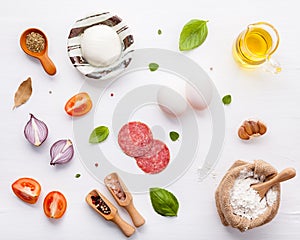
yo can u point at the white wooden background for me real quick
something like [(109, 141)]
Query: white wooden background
[(275, 99)]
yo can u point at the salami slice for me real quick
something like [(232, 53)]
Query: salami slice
[(156, 159), (135, 139)]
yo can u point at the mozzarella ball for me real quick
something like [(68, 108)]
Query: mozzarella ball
[(100, 45)]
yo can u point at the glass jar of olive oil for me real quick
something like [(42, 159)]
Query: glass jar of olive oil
[(255, 46)]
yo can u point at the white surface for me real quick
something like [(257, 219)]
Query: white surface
[(274, 99)]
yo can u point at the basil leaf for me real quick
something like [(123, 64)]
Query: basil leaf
[(174, 135), (164, 202), (193, 34), (226, 99), (99, 134), (153, 67)]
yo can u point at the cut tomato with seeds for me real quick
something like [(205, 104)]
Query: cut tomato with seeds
[(79, 104), (55, 204), (27, 189)]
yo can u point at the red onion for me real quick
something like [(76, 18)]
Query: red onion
[(61, 152), (35, 131)]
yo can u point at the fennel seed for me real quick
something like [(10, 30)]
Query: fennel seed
[(35, 42)]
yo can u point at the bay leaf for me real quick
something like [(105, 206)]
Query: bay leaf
[(23, 93)]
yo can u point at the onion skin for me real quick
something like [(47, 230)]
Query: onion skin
[(35, 131), (61, 152)]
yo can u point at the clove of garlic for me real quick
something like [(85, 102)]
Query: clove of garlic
[(35, 131), (61, 152)]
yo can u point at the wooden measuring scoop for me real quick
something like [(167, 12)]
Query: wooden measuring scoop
[(262, 188), (108, 211), (46, 62), (123, 197)]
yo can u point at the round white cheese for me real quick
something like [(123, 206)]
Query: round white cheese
[(100, 45)]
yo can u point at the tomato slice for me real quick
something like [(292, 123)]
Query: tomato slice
[(55, 204), (27, 189), (79, 104)]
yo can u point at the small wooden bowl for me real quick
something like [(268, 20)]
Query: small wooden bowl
[(42, 56)]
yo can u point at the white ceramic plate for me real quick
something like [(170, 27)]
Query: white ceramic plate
[(74, 46)]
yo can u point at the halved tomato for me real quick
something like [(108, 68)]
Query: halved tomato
[(27, 189), (55, 204), (79, 104)]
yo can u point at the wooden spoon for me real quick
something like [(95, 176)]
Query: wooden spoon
[(108, 211), (46, 62), (116, 187), (262, 188)]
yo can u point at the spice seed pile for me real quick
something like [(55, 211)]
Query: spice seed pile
[(35, 42), (100, 204)]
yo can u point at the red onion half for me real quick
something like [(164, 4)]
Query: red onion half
[(35, 131), (61, 152)]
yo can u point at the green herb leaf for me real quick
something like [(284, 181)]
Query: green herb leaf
[(78, 175), (193, 34), (99, 134), (174, 135), (226, 99), (153, 67), (159, 32), (164, 202)]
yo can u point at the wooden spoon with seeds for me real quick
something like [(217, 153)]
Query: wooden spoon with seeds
[(262, 188), (123, 197), (41, 54), (108, 211)]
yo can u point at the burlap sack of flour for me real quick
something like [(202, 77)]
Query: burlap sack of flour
[(222, 195)]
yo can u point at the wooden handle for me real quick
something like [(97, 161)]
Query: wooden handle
[(136, 217), (126, 228), (284, 175), (47, 64)]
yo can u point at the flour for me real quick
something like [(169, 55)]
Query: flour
[(245, 201)]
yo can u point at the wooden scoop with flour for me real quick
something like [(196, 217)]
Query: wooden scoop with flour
[(262, 188), (108, 211), (123, 197)]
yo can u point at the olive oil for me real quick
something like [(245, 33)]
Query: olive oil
[(252, 47)]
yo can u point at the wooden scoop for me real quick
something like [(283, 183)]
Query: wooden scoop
[(46, 62), (262, 188), (108, 211), (123, 197)]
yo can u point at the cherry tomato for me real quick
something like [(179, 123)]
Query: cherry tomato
[(27, 189), (79, 104), (55, 204)]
